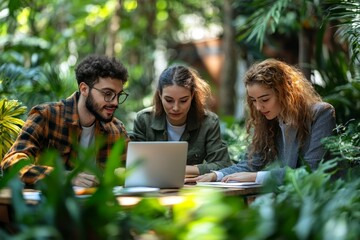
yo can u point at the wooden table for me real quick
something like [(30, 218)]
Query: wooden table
[(175, 196), (167, 197), (6, 204)]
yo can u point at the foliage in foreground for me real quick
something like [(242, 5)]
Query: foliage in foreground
[(307, 206), (346, 145)]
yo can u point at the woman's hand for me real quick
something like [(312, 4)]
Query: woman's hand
[(209, 177), (240, 177)]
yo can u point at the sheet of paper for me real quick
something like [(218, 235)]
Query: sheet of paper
[(228, 184)]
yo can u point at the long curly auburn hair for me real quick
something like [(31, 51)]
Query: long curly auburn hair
[(295, 94)]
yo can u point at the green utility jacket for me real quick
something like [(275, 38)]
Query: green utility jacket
[(206, 149)]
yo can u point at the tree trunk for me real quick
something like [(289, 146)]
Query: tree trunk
[(229, 70), (305, 37), (114, 27), (148, 9)]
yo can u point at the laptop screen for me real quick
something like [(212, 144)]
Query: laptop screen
[(158, 164)]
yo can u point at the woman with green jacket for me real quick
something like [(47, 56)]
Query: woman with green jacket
[(180, 114)]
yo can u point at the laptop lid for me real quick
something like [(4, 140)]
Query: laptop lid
[(158, 164)]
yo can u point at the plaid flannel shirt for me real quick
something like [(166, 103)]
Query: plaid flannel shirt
[(56, 126)]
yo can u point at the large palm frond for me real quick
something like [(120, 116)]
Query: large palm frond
[(10, 123), (264, 20), (347, 13)]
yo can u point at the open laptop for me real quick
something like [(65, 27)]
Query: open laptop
[(156, 164)]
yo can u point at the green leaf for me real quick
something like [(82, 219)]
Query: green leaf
[(113, 162)]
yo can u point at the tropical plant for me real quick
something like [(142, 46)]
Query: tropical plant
[(347, 14), (234, 134), (21, 83), (338, 64), (346, 145), (310, 205), (10, 123)]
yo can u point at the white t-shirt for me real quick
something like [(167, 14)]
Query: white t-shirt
[(87, 140), (175, 132), (87, 136)]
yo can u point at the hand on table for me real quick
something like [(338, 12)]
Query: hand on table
[(240, 177), (209, 177), (85, 180)]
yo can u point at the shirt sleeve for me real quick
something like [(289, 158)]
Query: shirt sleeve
[(322, 126), (219, 175), (27, 146), (245, 165), (261, 177)]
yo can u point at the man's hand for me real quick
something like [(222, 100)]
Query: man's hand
[(85, 180)]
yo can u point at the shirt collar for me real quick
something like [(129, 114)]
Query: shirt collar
[(71, 109), (159, 122)]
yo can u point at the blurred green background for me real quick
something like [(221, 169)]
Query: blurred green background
[(42, 41)]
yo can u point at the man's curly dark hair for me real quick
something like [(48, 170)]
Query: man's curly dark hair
[(91, 68)]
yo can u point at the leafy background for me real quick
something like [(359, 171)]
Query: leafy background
[(41, 42)]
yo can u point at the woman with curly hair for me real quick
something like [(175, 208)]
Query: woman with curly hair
[(180, 114), (287, 121)]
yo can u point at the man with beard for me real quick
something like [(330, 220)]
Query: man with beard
[(70, 126)]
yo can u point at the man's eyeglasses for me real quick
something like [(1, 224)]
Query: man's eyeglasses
[(109, 95)]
